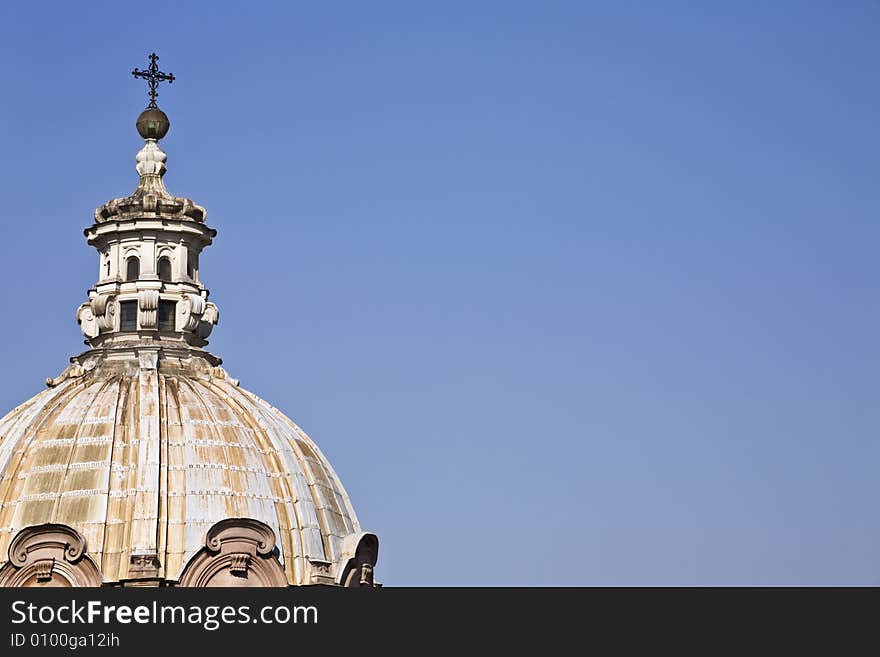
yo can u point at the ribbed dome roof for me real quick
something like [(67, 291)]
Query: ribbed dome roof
[(143, 454)]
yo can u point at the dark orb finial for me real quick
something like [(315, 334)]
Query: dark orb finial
[(153, 123)]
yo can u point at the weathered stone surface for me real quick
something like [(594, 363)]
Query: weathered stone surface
[(143, 454)]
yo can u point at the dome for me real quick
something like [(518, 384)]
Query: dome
[(144, 463), (142, 455)]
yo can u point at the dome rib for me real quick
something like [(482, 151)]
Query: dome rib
[(114, 457), (117, 526), (162, 528)]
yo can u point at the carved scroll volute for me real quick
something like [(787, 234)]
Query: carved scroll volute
[(190, 312), (85, 317), (240, 534), (209, 318), (99, 304), (103, 308), (49, 555), (237, 552)]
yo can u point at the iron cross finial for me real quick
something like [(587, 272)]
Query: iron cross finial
[(153, 77)]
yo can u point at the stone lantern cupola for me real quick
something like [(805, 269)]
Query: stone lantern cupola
[(149, 288)]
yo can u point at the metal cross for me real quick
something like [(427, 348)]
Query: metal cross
[(153, 77)]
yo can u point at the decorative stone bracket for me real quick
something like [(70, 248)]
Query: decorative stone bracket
[(98, 315), (195, 315)]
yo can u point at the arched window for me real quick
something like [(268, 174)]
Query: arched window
[(192, 264), (132, 268), (165, 269)]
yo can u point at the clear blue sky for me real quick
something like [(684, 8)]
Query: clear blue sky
[(568, 292)]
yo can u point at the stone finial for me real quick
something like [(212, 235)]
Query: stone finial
[(151, 159), (151, 167)]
